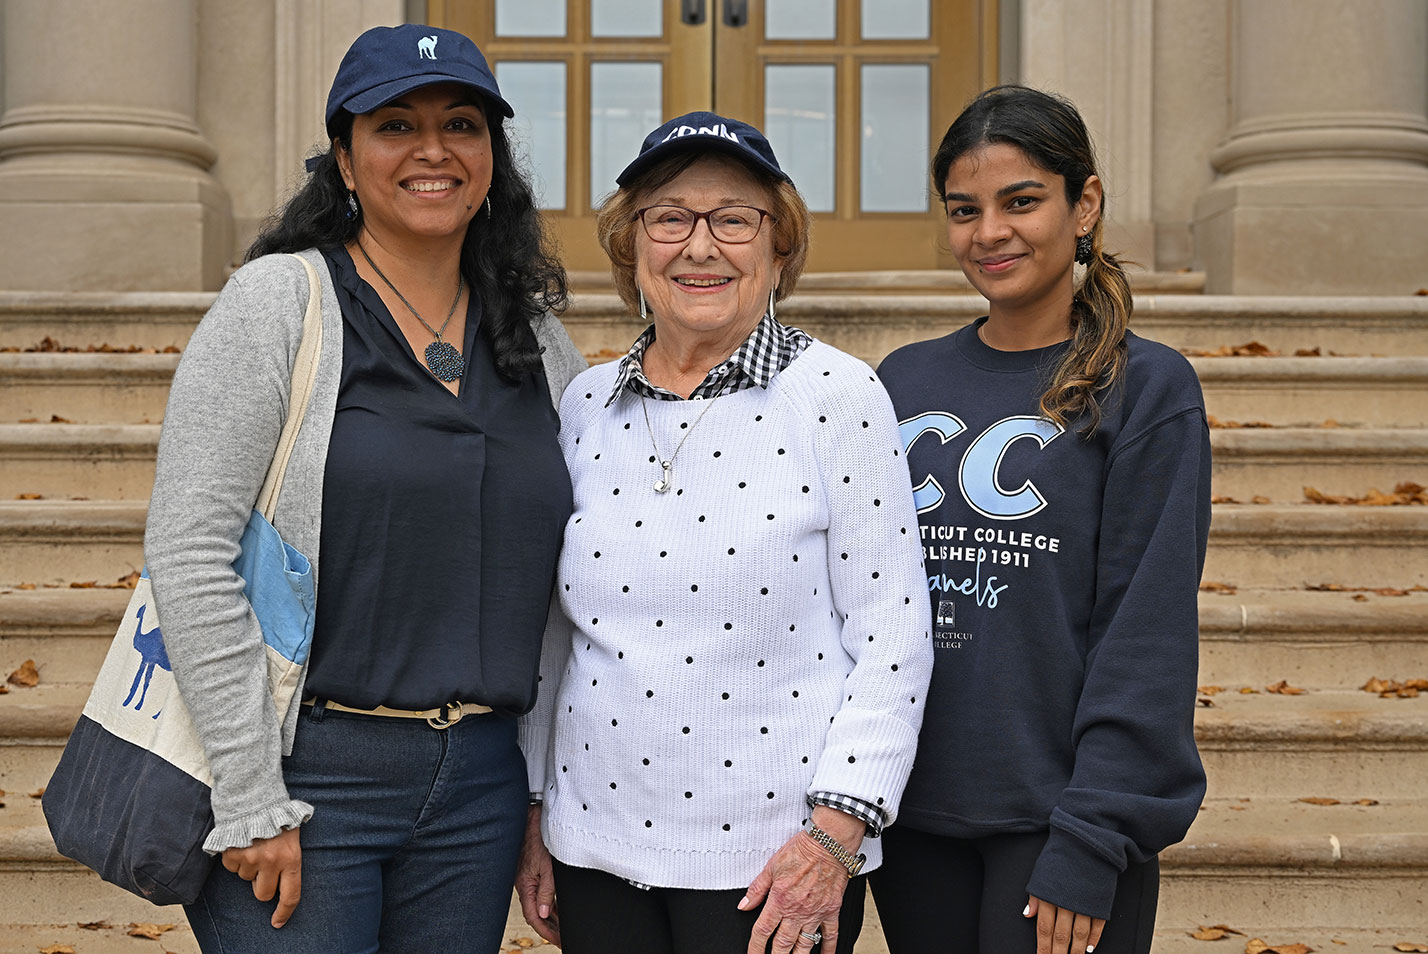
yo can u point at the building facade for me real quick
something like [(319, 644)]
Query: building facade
[(1279, 146)]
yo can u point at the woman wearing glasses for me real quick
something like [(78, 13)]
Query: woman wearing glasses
[(732, 693)]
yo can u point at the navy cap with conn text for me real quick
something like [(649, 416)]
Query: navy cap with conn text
[(386, 62), (703, 131)]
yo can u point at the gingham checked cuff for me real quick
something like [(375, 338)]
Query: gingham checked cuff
[(866, 812)]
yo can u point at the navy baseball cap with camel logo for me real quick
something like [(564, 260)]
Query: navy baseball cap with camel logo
[(386, 62), (703, 131)]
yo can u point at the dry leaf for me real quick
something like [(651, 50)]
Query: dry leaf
[(29, 496), (56, 419), (1367, 801), (86, 585), (1307, 352), (38, 793), (1292, 949), (1210, 586), (1239, 808), (1283, 688), (523, 942), (57, 949), (1359, 598), (127, 582), (1320, 800), (1204, 703), (27, 676), (1250, 349), (24, 586), (1411, 948), (1257, 499), (1329, 423), (1208, 934), (1248, 691), (1210, 690), (1255, 946), (1223, 500), (1406, 493), (95, 925), (151, 931)]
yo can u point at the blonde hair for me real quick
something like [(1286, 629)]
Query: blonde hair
[(618, 226)]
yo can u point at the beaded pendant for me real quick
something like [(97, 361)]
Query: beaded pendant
[(444, 360)]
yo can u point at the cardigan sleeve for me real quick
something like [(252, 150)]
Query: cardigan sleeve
[(878, 587), (1137, 781), (225, 411)]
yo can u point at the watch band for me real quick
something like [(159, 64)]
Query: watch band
[(854, 863)]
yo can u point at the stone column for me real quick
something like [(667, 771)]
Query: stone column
[(104, 181), (1323, 178)]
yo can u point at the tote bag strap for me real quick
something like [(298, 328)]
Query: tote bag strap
[(304, 374)]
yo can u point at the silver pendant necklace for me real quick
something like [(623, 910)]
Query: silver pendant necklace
[(441, 356), (666, 467)]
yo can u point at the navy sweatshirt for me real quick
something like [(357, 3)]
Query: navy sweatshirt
[(1063, 575)]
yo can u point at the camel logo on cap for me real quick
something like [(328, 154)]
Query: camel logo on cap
[(426, 47), (720, 130)]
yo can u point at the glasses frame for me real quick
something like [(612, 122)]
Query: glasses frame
[(763, 214)]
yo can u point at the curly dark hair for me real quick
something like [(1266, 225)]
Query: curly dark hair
[(513, 267)]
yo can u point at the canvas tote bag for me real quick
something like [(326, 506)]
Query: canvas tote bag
[(130, 797)]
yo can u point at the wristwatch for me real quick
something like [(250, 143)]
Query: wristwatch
[(854, 863)]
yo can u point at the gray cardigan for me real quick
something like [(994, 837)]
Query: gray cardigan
[(225, 411)]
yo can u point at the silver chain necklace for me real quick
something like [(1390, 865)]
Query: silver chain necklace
[(441, 356), (666, 480)]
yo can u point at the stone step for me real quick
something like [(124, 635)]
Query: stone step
[(1172, 940), (85, 388), (1314, 640), (1280, 462), (1282, 868), (116, 461), (45, 541), (867, 325), (100, 461), (1354, 391), (1377, 392), (1344, 744), (1301, 545)]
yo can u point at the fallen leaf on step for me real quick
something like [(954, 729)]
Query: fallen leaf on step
[(26, 677), (1337, 941), (86, 585), (24, 586), (151, 931), (1392, 688), (29, 496), (1223, 500), (523, 942), (1283, 688), (1257, 499), (1215, 932), (1210, 586), (1366, 801), (1205, 703), (127, 582), (1405, 493), (1256, 946), (1216, 422), (1421, 291), (57, 949), (1250, 349), (95, 925), (1307, 352), (1210, 690), (38, 793), (1239, 808), (1360, 598), (1410, 948), (1320, 800), (1330, 423), (3, 688), (29, 420), (1248, 691), (56, 419)]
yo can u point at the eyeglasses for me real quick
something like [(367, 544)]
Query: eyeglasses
[(732, 224)]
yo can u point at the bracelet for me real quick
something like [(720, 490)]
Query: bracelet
[(854, 863)]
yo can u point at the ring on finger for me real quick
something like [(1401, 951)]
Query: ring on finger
[(815, 937)]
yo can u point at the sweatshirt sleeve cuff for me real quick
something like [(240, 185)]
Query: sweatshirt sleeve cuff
[(1071, 874), (267, 823)]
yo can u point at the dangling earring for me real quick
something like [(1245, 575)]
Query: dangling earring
[(771, 304), (1085, 250), (352, 209), (644, 316), (488, 207)]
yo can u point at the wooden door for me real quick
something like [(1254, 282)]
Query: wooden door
[(853, 95)]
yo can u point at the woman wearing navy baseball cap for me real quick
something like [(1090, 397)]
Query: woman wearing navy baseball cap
[(386, 810), (732, 689)]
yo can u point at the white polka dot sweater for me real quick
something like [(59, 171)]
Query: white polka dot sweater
[(756, 633)]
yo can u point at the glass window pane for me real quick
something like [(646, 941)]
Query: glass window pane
[(799, 121), (894, 148), (801, 19), (536, 91), (897, 20), (625, 107), (626, 18), (530, 17)]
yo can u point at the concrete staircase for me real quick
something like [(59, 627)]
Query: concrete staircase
[(1321, 596)]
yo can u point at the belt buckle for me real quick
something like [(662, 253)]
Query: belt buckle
[(451, 714)]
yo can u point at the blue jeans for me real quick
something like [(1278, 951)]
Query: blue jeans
[(412, 846)]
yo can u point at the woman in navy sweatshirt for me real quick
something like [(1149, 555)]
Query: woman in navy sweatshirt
[(1062, 475)]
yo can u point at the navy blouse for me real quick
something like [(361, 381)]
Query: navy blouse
[(442, 518)]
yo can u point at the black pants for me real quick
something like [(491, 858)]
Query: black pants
[(966, 896), (601, 913)]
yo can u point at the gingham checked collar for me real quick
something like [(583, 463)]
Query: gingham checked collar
[(770, 348)]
